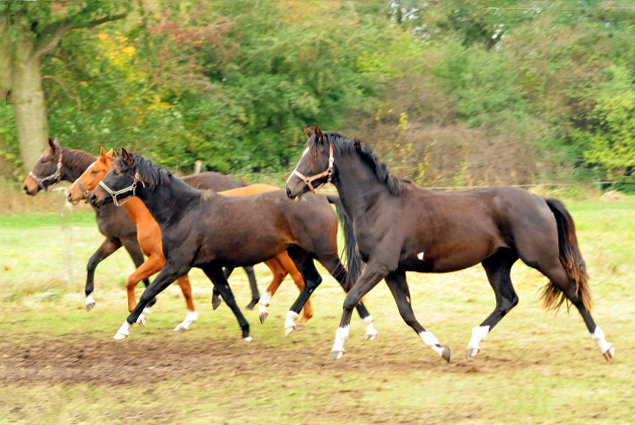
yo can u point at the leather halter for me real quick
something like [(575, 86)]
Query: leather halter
[(85, 191), (328, 172), (56, 175), (114, 193)]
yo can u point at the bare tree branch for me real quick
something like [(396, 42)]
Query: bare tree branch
[(52, 33)]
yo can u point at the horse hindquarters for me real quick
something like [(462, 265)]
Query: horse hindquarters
[(555, 253)]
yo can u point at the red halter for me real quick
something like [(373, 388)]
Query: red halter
[(328, 172)]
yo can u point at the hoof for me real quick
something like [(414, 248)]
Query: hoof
[(263, 317), (299, 326), (216, 302), (288, 330), (248, 339), (120, 336), (371, 337), (252, 304), (181, 328), (335, 355), (90, 306), (142, 321), (608, 354), (445, 353), (471, 352)]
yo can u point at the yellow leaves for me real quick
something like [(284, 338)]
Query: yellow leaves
[(116, 49)]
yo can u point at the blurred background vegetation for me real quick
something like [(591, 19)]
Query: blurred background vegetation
[(449, 93)]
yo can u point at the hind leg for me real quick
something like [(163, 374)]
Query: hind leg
[(290, 268), (278, 273), (498, 268), (192, 315), (559, 278), (399, 287), (336, 269)]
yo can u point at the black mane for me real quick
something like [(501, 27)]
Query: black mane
[(344, 145), (149, 172)]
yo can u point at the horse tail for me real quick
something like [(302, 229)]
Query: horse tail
[(349, 252), (570, 257)]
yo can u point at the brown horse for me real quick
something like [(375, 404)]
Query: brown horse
[(149, 238), (59, 163), (401, 227)]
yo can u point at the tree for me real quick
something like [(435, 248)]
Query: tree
[(29, 31)]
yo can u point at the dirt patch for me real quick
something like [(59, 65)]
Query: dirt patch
[(95, 360)]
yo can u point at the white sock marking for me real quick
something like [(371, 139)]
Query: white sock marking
[(431, 341), (192, 316), (124, 330), (370, 329), (598, 337), (479, 334), (292, 316), (89, 299), (341, 335)]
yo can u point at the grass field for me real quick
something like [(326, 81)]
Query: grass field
[(59, 364)]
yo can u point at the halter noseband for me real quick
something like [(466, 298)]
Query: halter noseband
[(132, 188), (85, 191), (56, 175), (328, 172)]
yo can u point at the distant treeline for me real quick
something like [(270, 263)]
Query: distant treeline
[(448, 92)]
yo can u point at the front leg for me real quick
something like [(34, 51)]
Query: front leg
[(372, 275), (217, 276), (170, 272)]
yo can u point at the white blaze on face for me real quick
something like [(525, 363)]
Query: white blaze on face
[(420, 255), (296, 167), (75, 182)]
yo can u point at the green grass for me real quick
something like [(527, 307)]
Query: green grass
[(533, 368)]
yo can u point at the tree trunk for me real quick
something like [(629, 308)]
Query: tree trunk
[(28, 102)]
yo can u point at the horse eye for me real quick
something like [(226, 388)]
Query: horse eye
[(116, 173), (94, 172)]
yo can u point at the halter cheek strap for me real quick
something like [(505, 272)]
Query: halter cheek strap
[(328, 172), (85, 191), (56, 175), (114, 193)]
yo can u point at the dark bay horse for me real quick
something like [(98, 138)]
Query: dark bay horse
[(210, 231), (59, 163), (149, 238), (401, 227)]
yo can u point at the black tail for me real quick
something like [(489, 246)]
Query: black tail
[(571, 259), (349, 252)]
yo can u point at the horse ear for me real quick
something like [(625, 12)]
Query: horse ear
[(126, 156), (102, 154), (318, 133), (358, 145), (109, 153), (52, 144), (307, 131)]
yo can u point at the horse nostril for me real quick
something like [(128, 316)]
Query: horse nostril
[(288, 191)]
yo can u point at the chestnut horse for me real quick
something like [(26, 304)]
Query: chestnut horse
[(401, 227), (210, 231), (149, 237)]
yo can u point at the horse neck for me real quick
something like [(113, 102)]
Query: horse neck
[(356, 185), (72, 170), (167, 202), (137, 210)]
